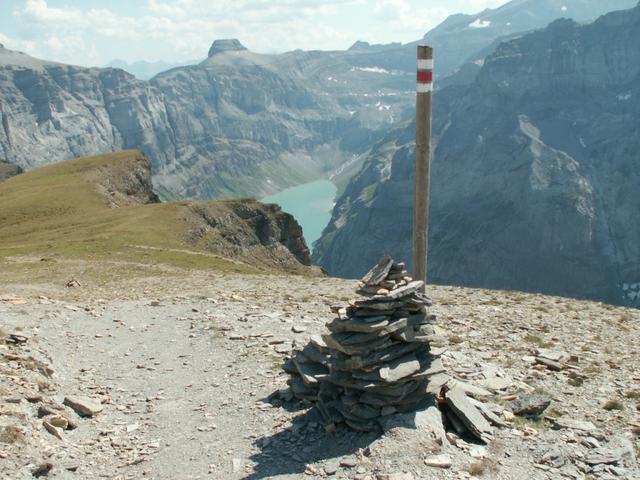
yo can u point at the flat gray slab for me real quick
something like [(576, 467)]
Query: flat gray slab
[(400, 368), (400, 292), (581, 425), (361, 324), (468, 414), (378, 273), (83, 406)]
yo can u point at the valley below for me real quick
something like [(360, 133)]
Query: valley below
[(310, 204)]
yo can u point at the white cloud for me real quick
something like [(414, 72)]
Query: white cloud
[(184, 29), (15, 44), (177, 8), (403, 16)]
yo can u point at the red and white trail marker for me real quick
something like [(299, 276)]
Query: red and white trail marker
[(425, 75), (424, 89)]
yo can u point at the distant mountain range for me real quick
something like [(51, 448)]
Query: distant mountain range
[(145, 70), (463, 38), (238, 123), (241, 123), (535, 172)]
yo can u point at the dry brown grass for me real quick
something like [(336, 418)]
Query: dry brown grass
[(11, 434), (482, 467)]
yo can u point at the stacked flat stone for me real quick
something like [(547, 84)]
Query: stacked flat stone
[(375, 359)]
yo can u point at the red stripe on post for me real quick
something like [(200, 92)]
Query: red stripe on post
[(425, 76)]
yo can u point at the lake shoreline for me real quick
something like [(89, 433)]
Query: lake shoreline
[(310, 203)]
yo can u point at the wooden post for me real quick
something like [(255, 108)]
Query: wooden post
[(423, 162)]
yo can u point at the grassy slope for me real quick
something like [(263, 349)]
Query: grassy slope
[(57, 212), (7, 170)]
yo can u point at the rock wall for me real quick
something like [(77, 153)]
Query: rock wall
[(262, 235), (240, 123), (237, 124), (126, 182), (534, 173)]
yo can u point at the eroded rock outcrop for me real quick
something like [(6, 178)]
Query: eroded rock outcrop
[(260, 234), (127, 182), (226, 45), (8, 170)]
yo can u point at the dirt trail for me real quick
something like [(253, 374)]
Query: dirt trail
[(174, 375), (184, 369)]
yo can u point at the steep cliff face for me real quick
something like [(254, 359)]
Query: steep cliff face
[(52, 112), (125, 182), (261, 234), (240, 123), (248, 123), (534, 172)]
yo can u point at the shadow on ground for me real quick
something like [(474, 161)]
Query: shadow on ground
[(306, 441)]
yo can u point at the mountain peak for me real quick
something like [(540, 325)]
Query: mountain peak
[(226, 45), (366, 46), (360, 45)]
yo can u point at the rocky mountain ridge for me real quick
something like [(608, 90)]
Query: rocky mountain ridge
[(241, 123), (533, 174), (145, 70), (237, 124)]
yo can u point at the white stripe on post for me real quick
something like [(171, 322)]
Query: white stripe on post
[(425, 64), (424, 87)]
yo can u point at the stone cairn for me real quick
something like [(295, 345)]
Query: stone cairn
[(375, 360)]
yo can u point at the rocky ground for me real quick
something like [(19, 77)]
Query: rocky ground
[(179, 374)]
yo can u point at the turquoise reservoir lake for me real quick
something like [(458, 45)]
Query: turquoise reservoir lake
[(311, 204)]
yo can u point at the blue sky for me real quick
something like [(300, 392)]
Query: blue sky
[(93, 32)]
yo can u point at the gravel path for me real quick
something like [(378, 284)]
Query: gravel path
[(184, 368)]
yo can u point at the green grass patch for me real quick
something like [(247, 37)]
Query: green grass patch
[(59, 213), (536, 423), (576, 381), (537, 341), (613, 405)]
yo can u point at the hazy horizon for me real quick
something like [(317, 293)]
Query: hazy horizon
[(95, 32)]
